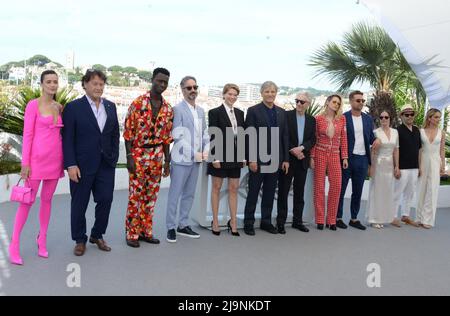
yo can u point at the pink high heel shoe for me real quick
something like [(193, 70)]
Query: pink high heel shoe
[(14, 255), (42, 247)]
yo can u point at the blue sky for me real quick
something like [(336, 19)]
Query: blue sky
[(217, 41)]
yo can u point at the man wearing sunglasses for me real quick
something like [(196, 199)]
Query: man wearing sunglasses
[(406, 182), (360, 138), (302, 138), (191, 147)]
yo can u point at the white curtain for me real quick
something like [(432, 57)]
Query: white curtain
[(421, 29)]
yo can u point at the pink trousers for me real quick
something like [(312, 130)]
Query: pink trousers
[(48, 189)]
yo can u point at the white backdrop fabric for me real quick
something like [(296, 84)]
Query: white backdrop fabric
[(421, 29)]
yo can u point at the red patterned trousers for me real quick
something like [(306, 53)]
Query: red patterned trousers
[(327, 164)]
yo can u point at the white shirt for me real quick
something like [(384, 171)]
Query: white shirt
[(232, 117), (197, 129), (360, 148), (99, 113)]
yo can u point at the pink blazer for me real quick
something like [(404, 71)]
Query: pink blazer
[(42, 144)]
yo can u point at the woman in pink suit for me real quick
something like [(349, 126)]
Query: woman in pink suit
[(42, 161), (331, 148)]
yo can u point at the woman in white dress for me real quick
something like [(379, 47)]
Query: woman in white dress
[(432, 166), (380, 209)]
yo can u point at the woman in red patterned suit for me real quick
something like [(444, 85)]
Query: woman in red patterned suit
[(330, 148)]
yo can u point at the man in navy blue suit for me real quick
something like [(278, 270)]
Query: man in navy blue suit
[(91, 150), (265, 118), (360, 138)]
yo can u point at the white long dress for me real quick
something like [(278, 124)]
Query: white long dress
[(429, 182), (381, 206)]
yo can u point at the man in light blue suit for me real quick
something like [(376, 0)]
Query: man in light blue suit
[(191, 147)]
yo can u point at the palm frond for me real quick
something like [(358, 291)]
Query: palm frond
[(314, 109), (333, 62)]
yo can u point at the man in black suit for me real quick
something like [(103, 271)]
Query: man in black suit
[(302, 138), (270, 153)]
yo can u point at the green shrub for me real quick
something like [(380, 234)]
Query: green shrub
[(8, 167)]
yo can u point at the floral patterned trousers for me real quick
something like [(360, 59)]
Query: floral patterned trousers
[(143, 193)]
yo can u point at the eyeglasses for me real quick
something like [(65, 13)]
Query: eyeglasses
[(360, 101), (302, 102), (408, 115), (384, 117), (195, 88)]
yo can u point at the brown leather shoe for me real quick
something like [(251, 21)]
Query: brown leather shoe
[(79, 250), (101, 244)]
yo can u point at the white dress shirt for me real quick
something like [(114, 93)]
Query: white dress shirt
[(232, 117), (99, 113)]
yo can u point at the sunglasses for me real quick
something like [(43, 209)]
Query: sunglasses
[(195, 88), (408, 115), (360, 101), (300, 101), (384, 117)]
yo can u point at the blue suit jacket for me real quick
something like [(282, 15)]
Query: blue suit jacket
[(369, 136), (84, 145)]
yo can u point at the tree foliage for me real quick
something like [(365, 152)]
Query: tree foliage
[(368, 55), (100, 67), (145, 75), (115, 68)]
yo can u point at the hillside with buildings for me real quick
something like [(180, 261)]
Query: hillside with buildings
[(126, 83), (27, 72)]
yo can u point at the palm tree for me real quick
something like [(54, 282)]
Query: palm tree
[(11, 120), (314, 109), (368, 55)]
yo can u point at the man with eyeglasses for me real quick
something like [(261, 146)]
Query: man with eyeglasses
[(407, 180), (302, 138), (191, 147), (360, 138)]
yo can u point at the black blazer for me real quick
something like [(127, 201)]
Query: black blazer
[(218, 117), (84, 145), (257, 117), (309, 138)]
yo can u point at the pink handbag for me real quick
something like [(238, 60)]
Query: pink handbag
[(22, 194)]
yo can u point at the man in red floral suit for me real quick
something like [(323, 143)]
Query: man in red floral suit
[(148, 134)]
